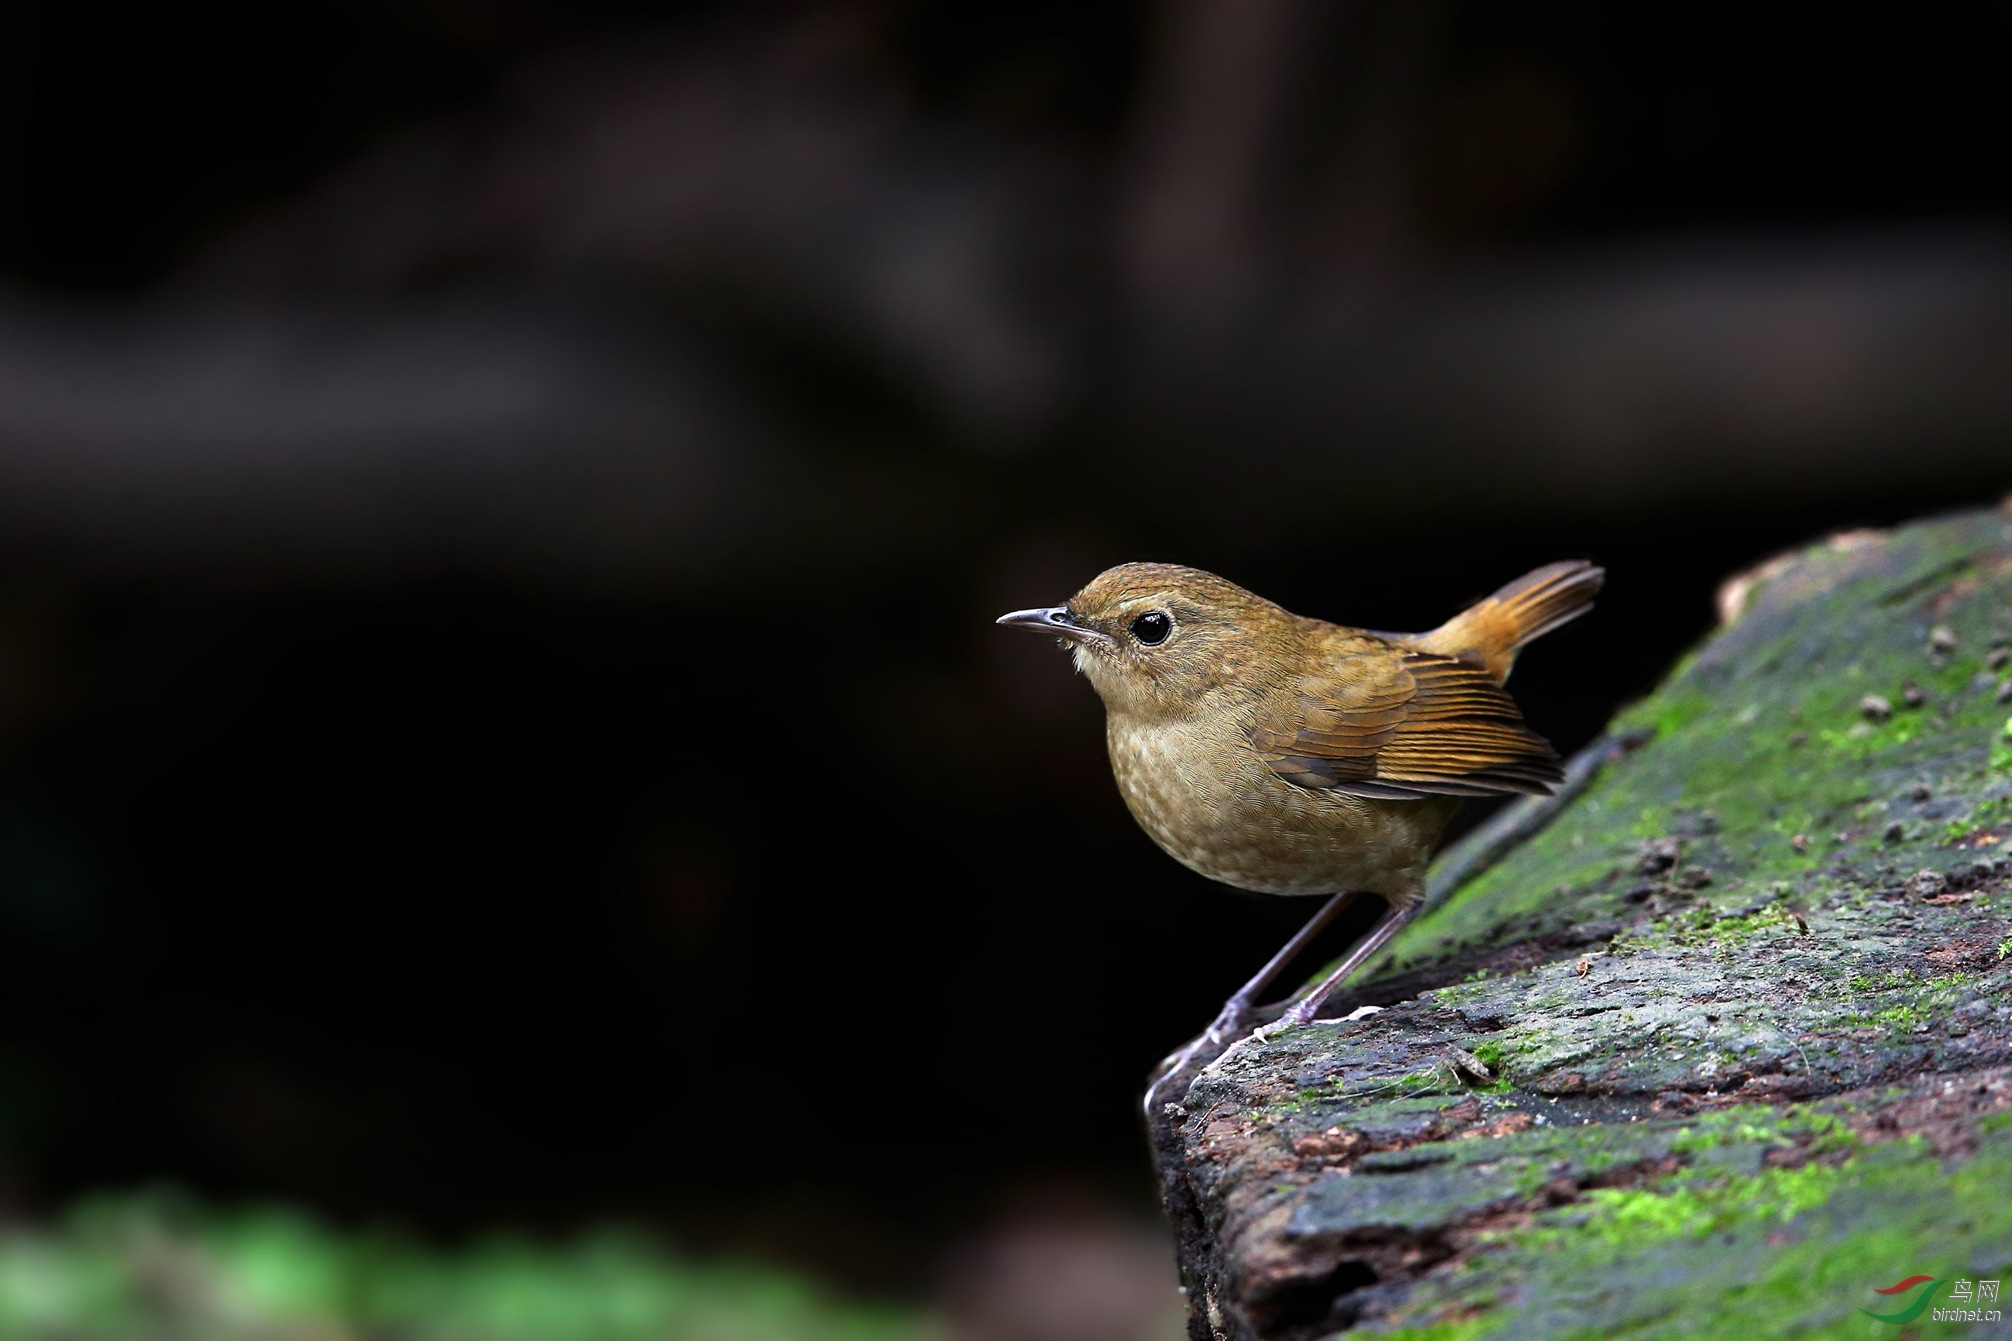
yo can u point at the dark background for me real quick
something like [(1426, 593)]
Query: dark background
[(504, 505)]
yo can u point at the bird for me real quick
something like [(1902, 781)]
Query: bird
[(1287, 755)]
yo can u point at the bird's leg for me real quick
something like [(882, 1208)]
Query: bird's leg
[(1235, 1014), (1392, 922)]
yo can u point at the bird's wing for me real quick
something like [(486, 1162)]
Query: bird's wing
[(1400, 724)]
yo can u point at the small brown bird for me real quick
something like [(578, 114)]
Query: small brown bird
[(1288, 755)]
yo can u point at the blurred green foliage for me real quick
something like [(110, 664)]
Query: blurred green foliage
[(162, 1268)]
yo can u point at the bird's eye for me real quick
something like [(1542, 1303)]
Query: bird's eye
[(1152, 628)]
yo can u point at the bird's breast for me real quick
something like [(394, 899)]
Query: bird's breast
[(1200, 791)]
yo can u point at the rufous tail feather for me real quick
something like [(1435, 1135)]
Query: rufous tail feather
[(1495, 629)]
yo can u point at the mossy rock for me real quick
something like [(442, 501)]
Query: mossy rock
[(1720, 1050)]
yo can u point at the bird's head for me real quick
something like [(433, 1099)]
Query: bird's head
[(1157, 639)]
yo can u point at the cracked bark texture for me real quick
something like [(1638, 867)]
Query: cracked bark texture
[(1722, 1048)]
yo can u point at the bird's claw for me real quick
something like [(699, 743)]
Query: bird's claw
[(1226, 1028), (1297, 1013), (1223, 1032)]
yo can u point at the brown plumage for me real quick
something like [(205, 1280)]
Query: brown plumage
[(1289, 755)]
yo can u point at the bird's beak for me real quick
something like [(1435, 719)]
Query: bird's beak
[(1054, 619)]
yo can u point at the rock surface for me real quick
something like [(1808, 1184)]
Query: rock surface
[(1721, 1050)]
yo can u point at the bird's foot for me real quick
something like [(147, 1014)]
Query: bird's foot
[(1230, 1025), (1299, 1012)]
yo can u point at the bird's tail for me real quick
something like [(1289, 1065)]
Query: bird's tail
[(1495, 629)]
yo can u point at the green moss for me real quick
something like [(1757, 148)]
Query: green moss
[(139, 1268), (1818, 1133), (1462, 1329), (1904, 1016), (1783, 1252), (1924, 1003), (1705, 924), (1668, 713), (1627, 1216)]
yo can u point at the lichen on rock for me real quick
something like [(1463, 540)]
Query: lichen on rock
[(1722, 1048)]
